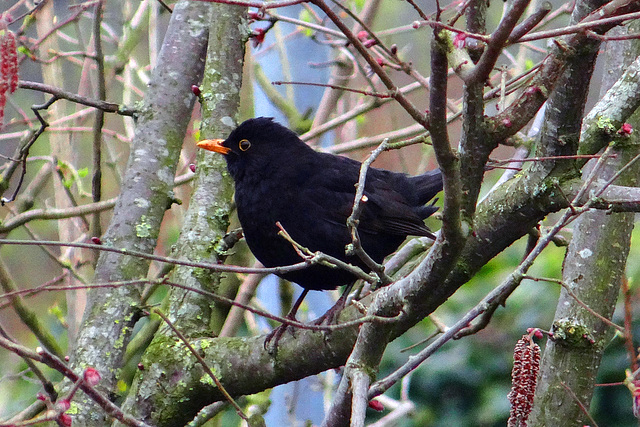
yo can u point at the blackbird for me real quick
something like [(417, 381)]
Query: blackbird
[(278, 178)]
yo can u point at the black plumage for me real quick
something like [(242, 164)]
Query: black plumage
[(278, 178)]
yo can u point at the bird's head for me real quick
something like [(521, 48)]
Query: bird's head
[(254, 143)]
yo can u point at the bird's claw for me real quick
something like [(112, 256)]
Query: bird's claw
[(275, 336)]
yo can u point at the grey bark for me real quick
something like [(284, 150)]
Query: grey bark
[(155, 396), (145, 195), (593, 270)]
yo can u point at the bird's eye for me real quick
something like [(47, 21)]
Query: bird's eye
[(244, 145)]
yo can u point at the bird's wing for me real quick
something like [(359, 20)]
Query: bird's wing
[(332, 191), (386, 210)]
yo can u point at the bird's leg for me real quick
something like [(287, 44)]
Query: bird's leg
[(277, 333), (333, 312)]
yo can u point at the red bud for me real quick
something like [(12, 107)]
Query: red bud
[(376, 405), (63, 405), (92, 376), (459, 40), (626, 129), (369, 43), (65, 420)]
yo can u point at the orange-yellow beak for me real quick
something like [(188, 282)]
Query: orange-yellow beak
[(214, 145)]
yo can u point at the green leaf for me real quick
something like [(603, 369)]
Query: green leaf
[(83, 172), (306, 16), (25, 51)]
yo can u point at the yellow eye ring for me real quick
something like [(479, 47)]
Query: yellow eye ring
[(244, 144)]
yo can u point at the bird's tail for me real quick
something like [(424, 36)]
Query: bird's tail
[(427, 185)]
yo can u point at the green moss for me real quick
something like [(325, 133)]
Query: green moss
[(73, 408), (143, 229), (571, 333), (203, 275), (124, 333), (162, 351), (445, 41), (121, 387), (207, 380), (605, 124), (219, 218), (174, 367)]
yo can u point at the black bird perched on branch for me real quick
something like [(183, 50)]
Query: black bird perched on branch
[(279, 179)]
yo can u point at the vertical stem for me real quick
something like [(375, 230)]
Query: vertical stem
[(96, 180), (473, 153)]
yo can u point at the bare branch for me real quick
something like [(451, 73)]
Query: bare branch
[(56, 364), (498, 40), (107, 107), (354, 219)]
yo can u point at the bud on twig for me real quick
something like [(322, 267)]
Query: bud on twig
[(92, 376)]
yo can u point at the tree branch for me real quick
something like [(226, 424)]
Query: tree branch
[(107, 107), (145, 195)]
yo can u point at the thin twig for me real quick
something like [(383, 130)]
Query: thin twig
[(213, 296), (580, 404), (165, 6), (498, 39), (53, 213), (322, 258), (24, 153), (42, 356), (107, 107), (353, 220), (542, 159), (152, 257), (258, 4), (207, 413), (581, 27), (595, 35), (578, 300), (348, 89), (47, 385), (96, 179), (406, 104)]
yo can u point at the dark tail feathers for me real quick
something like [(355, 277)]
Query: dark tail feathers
[(427, 185)]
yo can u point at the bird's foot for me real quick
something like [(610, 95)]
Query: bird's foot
[(277, 333), (328, 318), (272, 340)]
